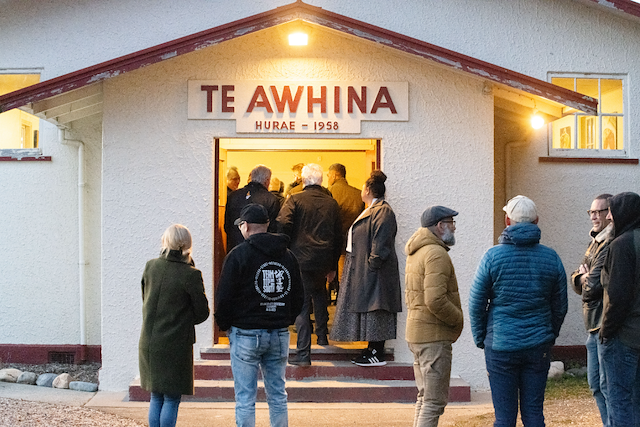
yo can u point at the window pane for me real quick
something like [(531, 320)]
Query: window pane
[(17, 128), (562, 133), (587, 87), (565, 82), (588, 132), (611, 96), (612, 133)]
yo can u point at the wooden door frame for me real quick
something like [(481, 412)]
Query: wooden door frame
[(218, 245)]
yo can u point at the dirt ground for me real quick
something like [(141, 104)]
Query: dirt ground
[(580, 412)]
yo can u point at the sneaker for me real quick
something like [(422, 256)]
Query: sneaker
[(299, 361), (371, 358), (364, 352)]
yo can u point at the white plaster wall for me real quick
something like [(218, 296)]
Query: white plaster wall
[(534, 37), (39, 237), (157, 167)]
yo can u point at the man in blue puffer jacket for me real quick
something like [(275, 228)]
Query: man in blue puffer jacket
[(517, 304)]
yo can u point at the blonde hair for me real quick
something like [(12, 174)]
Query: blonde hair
[(177, 238)]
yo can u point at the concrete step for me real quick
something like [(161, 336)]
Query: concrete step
[(318, 352), (320, 391), (330, 378), (333, 370)]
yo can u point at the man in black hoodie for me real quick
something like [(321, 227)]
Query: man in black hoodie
[(259, 295), (620, 330)]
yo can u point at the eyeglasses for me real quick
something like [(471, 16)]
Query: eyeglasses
[(449, 221), (597, 212)]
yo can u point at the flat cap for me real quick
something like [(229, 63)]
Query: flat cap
[(434, 214)]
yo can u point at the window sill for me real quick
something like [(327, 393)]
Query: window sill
[(26, 159), (23, 155), (602, 160)]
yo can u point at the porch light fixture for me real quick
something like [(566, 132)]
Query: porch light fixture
[(298, 39), (537, 121)]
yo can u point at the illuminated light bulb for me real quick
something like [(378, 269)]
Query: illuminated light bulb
[(537, 121), (298, 39)]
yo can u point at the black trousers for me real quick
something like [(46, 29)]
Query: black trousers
[(315, 297)]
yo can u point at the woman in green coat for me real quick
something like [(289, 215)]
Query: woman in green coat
[(173, 302)]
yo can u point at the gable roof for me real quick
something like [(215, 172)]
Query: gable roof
[(40, 100)]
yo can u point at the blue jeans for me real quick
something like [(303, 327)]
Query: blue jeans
[(595, 375), (163, 409), (518, 377), (253, 350), (622, 367)]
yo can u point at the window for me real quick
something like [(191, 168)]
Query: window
[(581, 135), (17, 128)]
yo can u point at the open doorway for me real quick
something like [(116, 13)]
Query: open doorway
[(359, 156)]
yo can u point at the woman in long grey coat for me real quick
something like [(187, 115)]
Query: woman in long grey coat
[(369, 297), (173, 302)]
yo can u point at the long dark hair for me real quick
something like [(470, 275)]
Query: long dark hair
[(375, 183)]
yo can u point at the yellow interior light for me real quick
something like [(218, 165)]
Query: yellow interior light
[(298, 39)]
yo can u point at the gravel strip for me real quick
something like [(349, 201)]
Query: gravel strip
[(25, 413)]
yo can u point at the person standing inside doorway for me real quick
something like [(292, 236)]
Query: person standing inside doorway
[(311, 218), (233, 180), (296, 185), (259, 295), (173, 301), (620, 330), (586, 282), (517, 303), (256, 191), (351, 205), (434, 319), (370, 296)]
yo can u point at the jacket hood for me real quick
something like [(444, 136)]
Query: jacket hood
[(625, 210), (523, 233), (422, 237), (271, 244)]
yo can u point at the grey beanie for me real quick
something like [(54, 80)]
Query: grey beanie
[(434, 214)]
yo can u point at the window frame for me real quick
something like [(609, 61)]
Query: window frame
[(597, 153)]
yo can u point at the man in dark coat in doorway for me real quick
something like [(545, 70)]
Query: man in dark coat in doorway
[(254, 192), (311, 219)]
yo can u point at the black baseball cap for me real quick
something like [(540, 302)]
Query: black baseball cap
[(253, 213)]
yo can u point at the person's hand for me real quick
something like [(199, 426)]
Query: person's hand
[(331, 275), (583, 269)]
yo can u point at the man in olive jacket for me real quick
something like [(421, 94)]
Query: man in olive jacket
[(434, 319)]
